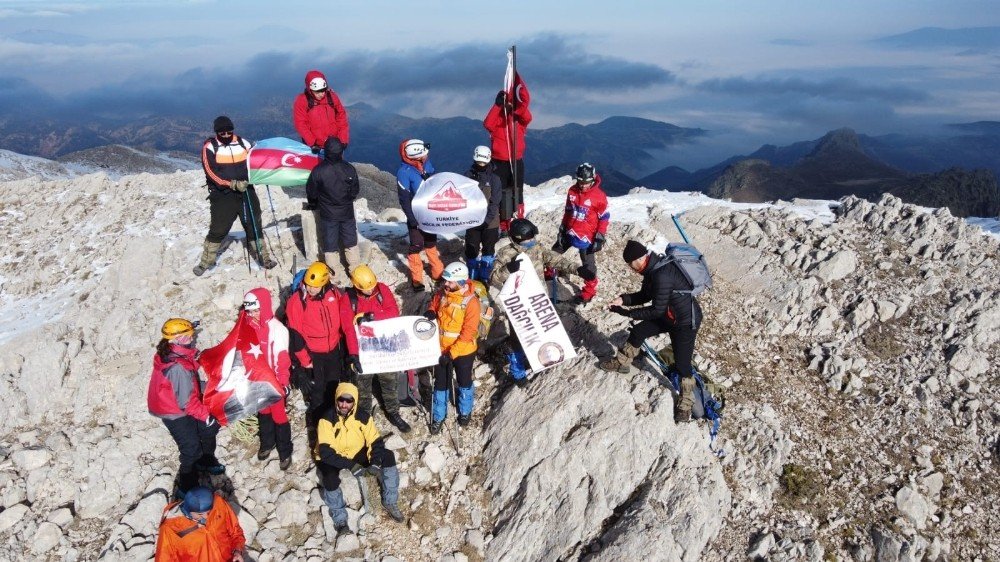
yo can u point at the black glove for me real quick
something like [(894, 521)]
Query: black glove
[(288, 390), (307, 206), (445, 360), (431, 315), (501, 98), (620, 310), (597, 245), (316, 148), (514, 265), (355, 364), (366, 317)]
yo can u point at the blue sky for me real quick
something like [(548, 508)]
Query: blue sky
[(750, 72)]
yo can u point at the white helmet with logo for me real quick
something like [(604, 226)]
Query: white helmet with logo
[(482, 154), (415, 148), (317, 84), (456, 271)]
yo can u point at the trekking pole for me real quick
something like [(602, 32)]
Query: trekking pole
[(256, 233), (274, 216), (680, 229)]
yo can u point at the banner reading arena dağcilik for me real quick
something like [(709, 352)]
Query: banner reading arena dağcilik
[(535, 321), (398, 344), (446, 203)]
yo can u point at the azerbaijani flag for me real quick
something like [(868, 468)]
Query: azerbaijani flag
[(280, 162)]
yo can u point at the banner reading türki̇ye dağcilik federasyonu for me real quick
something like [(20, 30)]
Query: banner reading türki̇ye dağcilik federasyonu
[(446, 203), (534, 318), (398, 344)]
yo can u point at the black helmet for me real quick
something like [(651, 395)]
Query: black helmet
[(585, 172), (521, 230)]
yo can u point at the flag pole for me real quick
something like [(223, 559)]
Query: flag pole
[(513, 122)]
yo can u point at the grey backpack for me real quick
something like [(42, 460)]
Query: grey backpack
[(692, 264)]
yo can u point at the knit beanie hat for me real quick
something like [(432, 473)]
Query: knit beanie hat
[(222, 123), (633, 251)]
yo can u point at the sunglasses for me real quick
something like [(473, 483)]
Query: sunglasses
[(346, 399), (225, 133), (251, 306)]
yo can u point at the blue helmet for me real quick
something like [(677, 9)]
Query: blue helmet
[(197, 500)]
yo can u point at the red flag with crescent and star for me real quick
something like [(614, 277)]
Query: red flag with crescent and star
[(240, 382)]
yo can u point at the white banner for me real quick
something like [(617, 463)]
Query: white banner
[(535, 321), (398, 344), (446, 203)]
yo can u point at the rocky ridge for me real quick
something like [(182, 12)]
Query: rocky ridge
[(877, 330)]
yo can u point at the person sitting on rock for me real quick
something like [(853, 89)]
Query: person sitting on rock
[(274, 429), (672, 309), (349, 440), (547, 265), (175, 396), (200, 528), (456, 308), (372, 300)]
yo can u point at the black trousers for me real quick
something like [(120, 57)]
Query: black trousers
[(196, 443), (328, 370), (481, 237), (513, 194), (681, 340), (330, 476), (463, 371), (420, 240), (338, 233), (274, 435), (226, 207)]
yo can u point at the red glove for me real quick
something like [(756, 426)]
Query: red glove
[(551, 273)]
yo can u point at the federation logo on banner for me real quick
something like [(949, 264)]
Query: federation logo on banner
[(535, 320), (447, 199), (447, 203), (398, 344)]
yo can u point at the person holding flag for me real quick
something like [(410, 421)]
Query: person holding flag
[(230, 196), (319, 319), (274, 429), (415, 168), (506, 122), (175, 396), (318, 114)]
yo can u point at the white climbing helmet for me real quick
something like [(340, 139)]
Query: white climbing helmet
[(482, 154), (456, 271), (415, 148)]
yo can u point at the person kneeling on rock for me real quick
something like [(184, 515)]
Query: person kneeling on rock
[(348, 439), (202, 527), (672, 310)]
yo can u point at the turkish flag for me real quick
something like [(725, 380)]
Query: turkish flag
[(240, 382), (518, 91)]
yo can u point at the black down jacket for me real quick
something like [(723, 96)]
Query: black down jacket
[(660, 282), (332, 188)]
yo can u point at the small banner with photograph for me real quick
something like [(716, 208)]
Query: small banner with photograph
[(398, 344)]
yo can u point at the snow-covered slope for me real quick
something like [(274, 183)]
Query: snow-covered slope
[(857, 347)]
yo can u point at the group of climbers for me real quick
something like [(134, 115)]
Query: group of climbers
[(316, 347)]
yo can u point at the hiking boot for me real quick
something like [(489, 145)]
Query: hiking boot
[(264, 453), (209, 252), (394, 512), (285, 463), (621, 361), (398, 421), (682, 411), (580, 301), (418, 287), (341, 529), (216, 469), (435, 427), (199, 270), (521, 383), (269, 263), (464, 420)]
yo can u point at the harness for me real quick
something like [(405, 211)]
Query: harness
[(463, 305)]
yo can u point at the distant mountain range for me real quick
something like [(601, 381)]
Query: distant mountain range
[(624, 150)]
